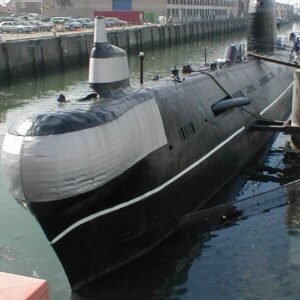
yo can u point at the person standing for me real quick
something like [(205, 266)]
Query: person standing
[(296, 49)]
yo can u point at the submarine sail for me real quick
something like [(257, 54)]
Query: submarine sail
[(261, 26), (108, 69)]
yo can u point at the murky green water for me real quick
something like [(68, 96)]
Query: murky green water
[(252, 258)]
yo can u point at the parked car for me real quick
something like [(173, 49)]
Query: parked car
[(43, 26), (25, 18), (10, 26), (59, 20), (27, 23), (86, 23), (45, 19), (3, 19), (34, 16), (17, 15), (110, 22), (72, 24)]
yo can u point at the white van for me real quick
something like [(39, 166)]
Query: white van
[(59, 20)]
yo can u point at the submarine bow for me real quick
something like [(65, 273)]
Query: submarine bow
[(64, 154)]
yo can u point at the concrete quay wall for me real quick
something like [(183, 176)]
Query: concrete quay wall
[(29, 57)]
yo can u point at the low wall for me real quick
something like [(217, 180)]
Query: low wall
[(33, 56), (49, 54)]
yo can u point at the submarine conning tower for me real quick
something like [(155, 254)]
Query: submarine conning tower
[(108, 70), (261, 26)]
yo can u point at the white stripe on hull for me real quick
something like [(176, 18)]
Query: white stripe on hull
[(167, 183), (150, 193), (274, 102), (108, 70)]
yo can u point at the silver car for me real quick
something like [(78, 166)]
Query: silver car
[(27, 23), (110, 22), (10, 26), (43, 26)]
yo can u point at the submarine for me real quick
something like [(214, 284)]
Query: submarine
[(112, 175)]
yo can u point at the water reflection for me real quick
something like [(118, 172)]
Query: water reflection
[(158, 275), (293, 230), (44, 89), (248, 258), (190, 53)]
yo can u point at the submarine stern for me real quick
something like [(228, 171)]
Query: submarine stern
[(261, 26)]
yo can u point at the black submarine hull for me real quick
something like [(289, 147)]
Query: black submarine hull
[(99, 231)]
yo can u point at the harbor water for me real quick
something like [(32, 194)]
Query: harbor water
[(254, 257)]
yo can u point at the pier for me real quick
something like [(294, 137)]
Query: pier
[(32, 56)]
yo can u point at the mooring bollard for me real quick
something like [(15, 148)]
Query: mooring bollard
[(142, 57), (295, 139)]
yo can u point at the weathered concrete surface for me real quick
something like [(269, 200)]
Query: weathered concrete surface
[(3, 62), (35, 55), (146, 37), (20, 57)]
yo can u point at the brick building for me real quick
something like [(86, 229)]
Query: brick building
[(83, 8), (192, 10), (175, 10), (285, 11), (86, 8)]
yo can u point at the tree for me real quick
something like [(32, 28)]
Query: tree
[(64, 3)]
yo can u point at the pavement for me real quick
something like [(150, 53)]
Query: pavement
[(19, 36)]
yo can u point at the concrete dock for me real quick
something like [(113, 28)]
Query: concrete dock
[(29, 55)]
